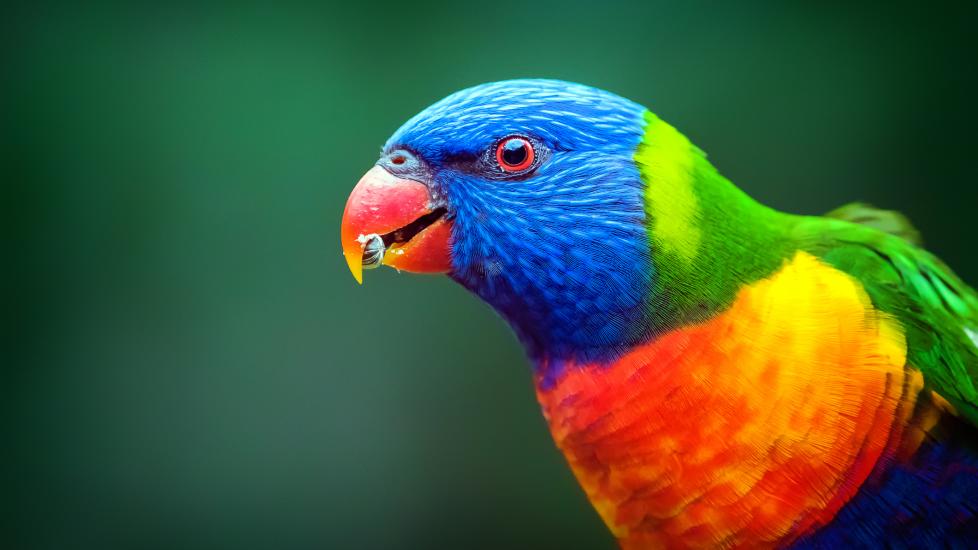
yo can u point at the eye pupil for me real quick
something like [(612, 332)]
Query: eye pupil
[(515, 154)]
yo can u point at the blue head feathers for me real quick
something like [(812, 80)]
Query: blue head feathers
[(561, 251)]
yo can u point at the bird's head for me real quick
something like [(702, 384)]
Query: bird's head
[(527, 193)]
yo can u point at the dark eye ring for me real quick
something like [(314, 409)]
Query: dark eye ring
[(515, 154)]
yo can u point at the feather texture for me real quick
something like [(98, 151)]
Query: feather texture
[(717, 373), (748, 430)]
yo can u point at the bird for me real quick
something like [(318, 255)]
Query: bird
[(717, 373)]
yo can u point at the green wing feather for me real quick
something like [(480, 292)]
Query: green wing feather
[(887, 221), (938, 311)]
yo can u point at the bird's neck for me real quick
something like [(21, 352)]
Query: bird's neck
[(674, 246), (708, 238)]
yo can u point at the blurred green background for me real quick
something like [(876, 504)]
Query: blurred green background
[(192, 366)]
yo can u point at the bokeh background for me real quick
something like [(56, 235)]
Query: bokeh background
[(190, 363)]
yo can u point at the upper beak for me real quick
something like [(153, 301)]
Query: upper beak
[(393, 221)]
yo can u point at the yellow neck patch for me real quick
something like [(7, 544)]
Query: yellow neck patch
[(665, 159)]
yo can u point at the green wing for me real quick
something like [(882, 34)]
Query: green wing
[(938, 311), (887, 221)]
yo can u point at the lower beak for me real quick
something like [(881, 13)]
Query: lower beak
[(392, 221)]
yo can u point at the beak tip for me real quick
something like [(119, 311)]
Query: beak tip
[(382, 203), (353, 261)]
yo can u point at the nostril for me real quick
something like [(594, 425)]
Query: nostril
[(398, 159)]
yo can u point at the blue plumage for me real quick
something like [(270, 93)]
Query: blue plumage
[(564, 255), (930, 501)]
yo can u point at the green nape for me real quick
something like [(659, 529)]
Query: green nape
[(708, 238)]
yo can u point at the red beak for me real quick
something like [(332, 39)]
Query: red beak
[(392, 221)]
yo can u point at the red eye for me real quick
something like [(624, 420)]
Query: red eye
[(514, 154)]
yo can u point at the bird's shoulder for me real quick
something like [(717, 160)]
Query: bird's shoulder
[(937, 311)]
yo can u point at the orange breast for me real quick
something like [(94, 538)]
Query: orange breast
[(747, 430)]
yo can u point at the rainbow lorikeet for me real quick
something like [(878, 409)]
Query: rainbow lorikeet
[(716, 373)]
